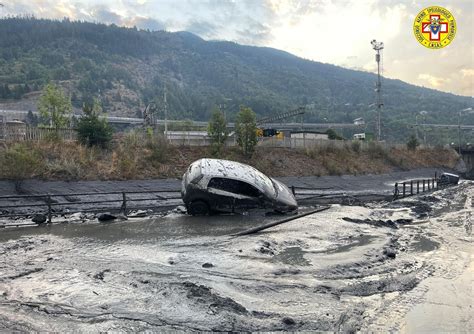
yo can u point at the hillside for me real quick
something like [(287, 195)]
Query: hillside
[(127, 68)]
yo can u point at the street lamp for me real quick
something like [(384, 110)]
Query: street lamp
[(459, 126)]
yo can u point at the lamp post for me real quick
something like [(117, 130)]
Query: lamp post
[(459, 127)]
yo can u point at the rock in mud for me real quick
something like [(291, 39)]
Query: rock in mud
[(288, 321), (39, 218), (103, 217), (390, 252), (207, 265)]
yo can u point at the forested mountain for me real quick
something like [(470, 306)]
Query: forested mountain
[(128, 68)]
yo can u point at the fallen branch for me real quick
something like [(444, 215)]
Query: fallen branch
[(278, 222)]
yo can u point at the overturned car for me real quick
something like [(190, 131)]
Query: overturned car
[(215, 185)]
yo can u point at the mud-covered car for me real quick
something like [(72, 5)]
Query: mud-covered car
[(215, 185), (448, 179)]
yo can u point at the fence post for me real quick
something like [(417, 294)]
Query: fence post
[(423, 185), (49, 209), (429, 185), (411, 187), (404, 186), (124, 203), (417, 186), (396, 190), (433, 186)]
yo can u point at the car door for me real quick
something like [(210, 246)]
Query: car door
[(231, 195)]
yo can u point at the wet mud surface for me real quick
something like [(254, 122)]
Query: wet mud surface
[(369, 268)]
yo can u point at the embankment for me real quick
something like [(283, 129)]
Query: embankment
[(131, 158)]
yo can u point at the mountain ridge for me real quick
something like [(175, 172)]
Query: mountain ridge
[(129, 68)]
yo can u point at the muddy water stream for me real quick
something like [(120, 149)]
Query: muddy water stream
[(177, 272)]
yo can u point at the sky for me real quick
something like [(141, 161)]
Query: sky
[(330, 31)]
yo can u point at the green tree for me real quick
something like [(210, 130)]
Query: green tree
[(93, 130), (217, 131), (333, 135), (412, 143), (55, 106), (246, 130)]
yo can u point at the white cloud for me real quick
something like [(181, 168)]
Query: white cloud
[(434, 81)]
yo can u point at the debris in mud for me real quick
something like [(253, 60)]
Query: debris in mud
[(207, 265), (284, 271), (100, 275), (390, 252), (22, 274), (389, 284), (39, 218), (379, 223), (204, 295), (265, 247), (138, 214), (103, 217)]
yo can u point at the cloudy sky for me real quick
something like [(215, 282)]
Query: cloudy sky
[(330, 31)]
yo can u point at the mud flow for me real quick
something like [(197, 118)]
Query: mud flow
[(349, 268)]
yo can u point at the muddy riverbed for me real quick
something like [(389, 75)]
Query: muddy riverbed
[(378, 267)]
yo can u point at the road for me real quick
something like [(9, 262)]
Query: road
[(371, 268)]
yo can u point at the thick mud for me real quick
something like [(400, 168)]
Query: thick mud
[(350, 268)]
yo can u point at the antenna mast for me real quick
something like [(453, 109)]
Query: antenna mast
[(377, 46), (166, 113)]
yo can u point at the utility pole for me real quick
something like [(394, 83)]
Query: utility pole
[(165, 106), (377, 46)]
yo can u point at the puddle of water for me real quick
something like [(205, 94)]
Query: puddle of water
[(292, 256), (144, 230), (424, 244)]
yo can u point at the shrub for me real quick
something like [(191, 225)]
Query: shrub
[(19, 163), (93, 131), (412, 143), (355, 146)]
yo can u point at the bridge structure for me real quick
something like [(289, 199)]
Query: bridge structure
[(467, 155), (21, 114)]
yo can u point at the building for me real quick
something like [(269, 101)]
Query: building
[(309, 135)]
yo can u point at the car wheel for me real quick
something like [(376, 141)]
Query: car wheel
[(198, 208)]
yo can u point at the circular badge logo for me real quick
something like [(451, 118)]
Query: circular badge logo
[(434, 27)]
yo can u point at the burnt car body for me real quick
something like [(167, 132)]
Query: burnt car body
[(215, 185)]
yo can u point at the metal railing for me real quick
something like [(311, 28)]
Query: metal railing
[(418, 186), (54, 205)]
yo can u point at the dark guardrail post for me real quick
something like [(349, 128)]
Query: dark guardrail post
[(49, 209), (417, 186), (124, 203), (429, 185), (395, 192), (423, 185), (404, 189), (411, 187)]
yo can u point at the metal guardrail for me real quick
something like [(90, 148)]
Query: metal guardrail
[(124, 203), (414, 187)]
